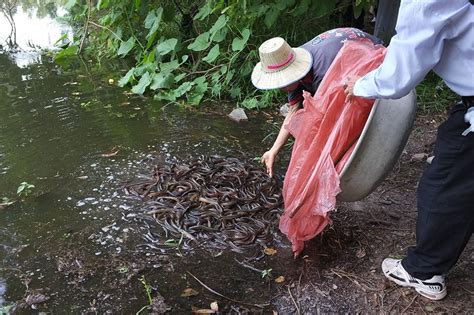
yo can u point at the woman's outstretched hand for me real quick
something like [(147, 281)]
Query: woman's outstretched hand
[(269, 158)]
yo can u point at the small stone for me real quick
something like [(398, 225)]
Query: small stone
[(238, 115), (284, 109), (419, 156)]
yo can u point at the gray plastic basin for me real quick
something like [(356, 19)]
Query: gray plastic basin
[(380, 145)]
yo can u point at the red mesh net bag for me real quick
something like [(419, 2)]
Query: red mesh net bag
[(324, 131)]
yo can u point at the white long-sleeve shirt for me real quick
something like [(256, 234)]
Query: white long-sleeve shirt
[(431, 34)]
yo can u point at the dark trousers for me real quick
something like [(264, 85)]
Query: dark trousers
[(445, 220)]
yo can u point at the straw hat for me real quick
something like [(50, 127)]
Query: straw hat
[(280, 65)]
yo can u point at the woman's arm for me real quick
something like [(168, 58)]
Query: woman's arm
[(269, 157)]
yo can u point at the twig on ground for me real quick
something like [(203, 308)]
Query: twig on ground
[(294, 302), (248, 266), (408, 306), (398, 299), (223, 296), (354, 278)]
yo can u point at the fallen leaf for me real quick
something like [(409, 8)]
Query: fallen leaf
[(280, 279), (270, 251), (189, 292), (214, 306)]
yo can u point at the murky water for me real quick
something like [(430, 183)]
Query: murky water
[(75, 137)]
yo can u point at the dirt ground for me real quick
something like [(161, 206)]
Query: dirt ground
[(340, 270)]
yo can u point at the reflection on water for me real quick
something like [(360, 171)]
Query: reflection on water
[(26, 34)]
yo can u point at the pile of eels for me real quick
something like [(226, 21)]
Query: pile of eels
[(210, 201)]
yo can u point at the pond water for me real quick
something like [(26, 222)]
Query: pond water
[(75, 137)]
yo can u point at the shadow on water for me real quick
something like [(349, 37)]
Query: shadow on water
[(70, 244)]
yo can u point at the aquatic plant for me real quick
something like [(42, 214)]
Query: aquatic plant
[(24, 189)]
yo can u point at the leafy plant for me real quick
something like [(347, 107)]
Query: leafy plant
[(188, 51), (266, 273), (175, 243), (148, 289), (24, 189)]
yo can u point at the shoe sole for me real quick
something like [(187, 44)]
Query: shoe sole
[(432, 296)]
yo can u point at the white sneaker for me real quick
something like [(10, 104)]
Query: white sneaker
[(433, 289)]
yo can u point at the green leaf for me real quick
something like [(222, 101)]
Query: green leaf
[(204, 11), (156, 22), (196, 95), (150, 19), (68, 52), (324, 7), (250, 103), (216, 89), (235, 92), (161, 81), (126, 78), (223, 69), (165, 95), (168, 67), (220, 23), (144, 82), (302, 7), (102, 4), (194, 98), (229, 76), (166, 46), (271, 17), (70, 4), (200, 81), (239, 43), (220, 35), (179, 77), (125, 47), (183, 88), (200, 43), (137, 4), (145, 67), (60, 39), (212, 55)]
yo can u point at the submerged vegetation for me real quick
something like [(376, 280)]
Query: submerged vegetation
[(187, 51)]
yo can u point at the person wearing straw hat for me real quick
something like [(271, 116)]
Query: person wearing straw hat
[(298, 69)]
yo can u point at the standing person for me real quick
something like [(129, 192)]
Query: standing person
[(433, 35), (295, 70)]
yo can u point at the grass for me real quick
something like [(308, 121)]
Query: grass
[(434, 96)]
